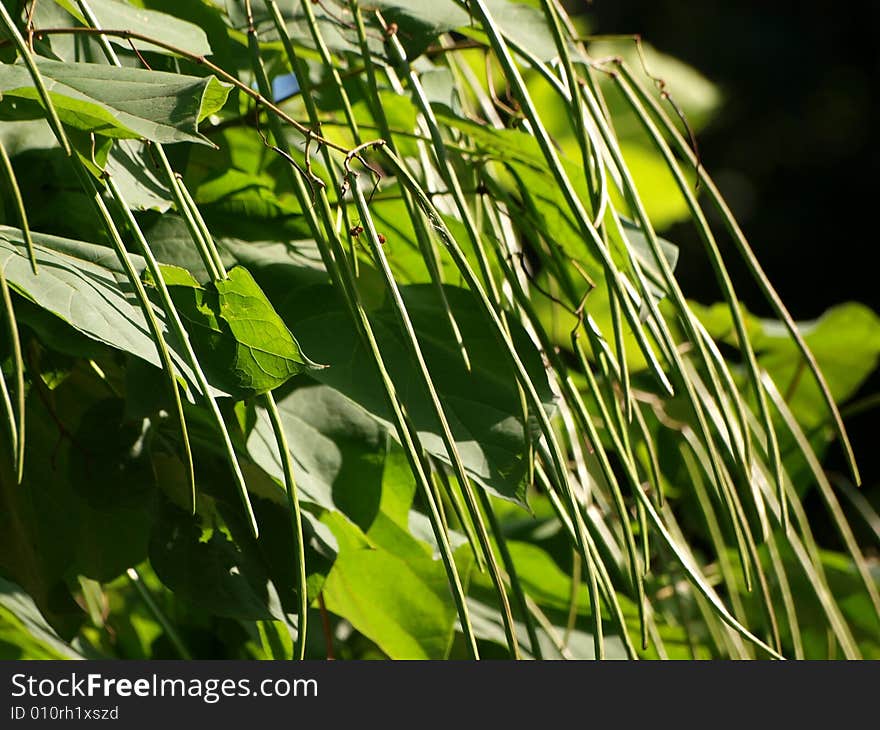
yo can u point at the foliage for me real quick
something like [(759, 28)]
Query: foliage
[(341, 329)]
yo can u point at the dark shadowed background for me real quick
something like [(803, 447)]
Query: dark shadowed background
[(794, 149)]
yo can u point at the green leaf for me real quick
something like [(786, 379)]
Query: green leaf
[(388, 586), (24, 630), (845, 341), (245, 345), (344, 459), (115, 102), (420, 22), (210, 17), (213, 573), (131, 167), (53, 332), (85, 507), (693, 93), (83, 285), (238, 576), (244, 203), (116, 15), (482, 403), (338, 450), (521, 21), (80, 283), (247, 348), (505, 145)]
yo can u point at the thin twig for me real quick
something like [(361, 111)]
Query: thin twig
[(201, 61)]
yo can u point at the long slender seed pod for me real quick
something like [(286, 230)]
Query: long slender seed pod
[(16, 425), (445, 430), (748, 255), (330, 248), (723, 278), (51, 112), (299, 649), (171, 312), (149, 600), (6, 164)]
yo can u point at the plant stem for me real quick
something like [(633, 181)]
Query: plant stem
[(299, 651), (52, 114), (16, 428), (176, 641), (201, 61), (6, 163)]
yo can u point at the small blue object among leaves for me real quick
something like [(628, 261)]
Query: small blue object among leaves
[(284, 86)]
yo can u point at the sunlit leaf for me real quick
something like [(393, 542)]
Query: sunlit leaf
[(115, 102)]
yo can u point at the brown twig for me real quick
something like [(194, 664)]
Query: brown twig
[(357, 154), (659, 82), (314, 181), (325, 625), (138, 54), (29, 24)]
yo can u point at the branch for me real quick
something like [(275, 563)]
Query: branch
[(201, 61)]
